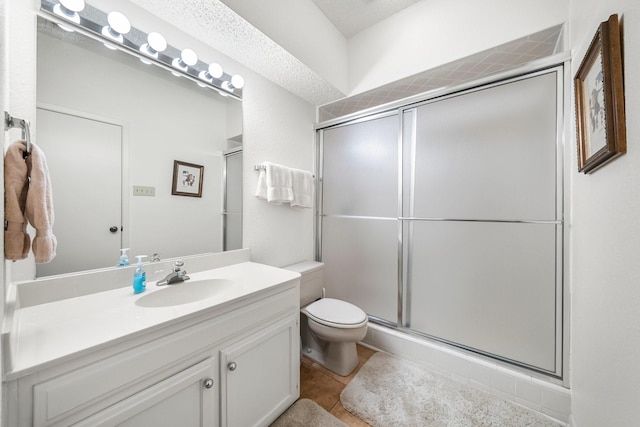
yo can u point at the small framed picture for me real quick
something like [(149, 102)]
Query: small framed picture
[(600, 115), (187, 179)]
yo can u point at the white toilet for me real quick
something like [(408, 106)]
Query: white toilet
[(329, 328)]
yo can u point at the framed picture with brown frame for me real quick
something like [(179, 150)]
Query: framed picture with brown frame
[(599, 94), (187, 179)]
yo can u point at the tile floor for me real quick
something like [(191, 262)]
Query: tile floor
[(324, 387)]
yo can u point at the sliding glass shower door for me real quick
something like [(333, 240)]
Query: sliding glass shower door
[(444, 218), (484, 215)]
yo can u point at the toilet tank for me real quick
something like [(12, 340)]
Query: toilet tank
[(311, 280)]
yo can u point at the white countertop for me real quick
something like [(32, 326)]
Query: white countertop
[(56, 331)]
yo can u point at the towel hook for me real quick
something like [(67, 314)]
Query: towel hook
[(14, 122)]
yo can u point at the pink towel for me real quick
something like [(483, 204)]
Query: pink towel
[(16, 239), (40, 206), (28, 179)]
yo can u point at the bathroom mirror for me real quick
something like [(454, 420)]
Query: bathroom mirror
[(112, 128)]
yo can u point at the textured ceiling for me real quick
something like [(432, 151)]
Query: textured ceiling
[(500, 58), (221, 28), (353, 16), (212, 22)]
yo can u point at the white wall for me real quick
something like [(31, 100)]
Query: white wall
[(605, 242), (278, 127), (3, 106), (434, 32)]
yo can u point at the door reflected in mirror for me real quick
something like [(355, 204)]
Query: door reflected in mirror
[(108, 124)]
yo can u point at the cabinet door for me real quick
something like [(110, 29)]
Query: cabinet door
[(260, 375), (186, 399)]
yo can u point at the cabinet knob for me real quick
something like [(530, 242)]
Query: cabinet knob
[(208, 383), (232, 366)]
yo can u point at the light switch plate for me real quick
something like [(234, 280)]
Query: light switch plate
[(141, 190)]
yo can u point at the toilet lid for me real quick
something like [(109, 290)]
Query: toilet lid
[(336, 312)]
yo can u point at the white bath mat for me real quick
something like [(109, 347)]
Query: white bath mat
[(388, 391), (307, 413)]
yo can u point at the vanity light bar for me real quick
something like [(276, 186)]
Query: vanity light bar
[(92, 22)]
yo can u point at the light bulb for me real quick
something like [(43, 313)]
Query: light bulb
[(118, 25), (155, 43), (227, 86), (68, 9), (237, 81), (188, 58), (213, 71)]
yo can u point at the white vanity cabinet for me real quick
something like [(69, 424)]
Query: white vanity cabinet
[(235, 365)]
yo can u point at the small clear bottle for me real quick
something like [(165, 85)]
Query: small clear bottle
[(124, 259), (139, 277)]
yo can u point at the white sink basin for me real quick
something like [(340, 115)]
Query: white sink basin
[(185, 293)]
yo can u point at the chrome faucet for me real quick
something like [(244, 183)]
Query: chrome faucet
[(176, 276)]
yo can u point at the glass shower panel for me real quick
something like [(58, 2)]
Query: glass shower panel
[(361, 263), (487, 286), (360, 214), (360, 174), (489, 154)]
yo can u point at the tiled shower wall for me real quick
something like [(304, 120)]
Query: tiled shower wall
[(500, 58)]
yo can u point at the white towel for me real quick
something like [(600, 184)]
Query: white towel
[(279, 183), (261, 191), (302, 188), (276, 183)]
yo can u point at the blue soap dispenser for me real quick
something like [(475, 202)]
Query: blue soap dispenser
[(139, 277), (124, 259)]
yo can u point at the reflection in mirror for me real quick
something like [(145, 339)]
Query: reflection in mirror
[(111, 128), (232, 199)]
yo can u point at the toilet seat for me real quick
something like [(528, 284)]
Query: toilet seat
[(336, 313)]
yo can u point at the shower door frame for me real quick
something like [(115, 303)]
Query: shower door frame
[(559, 64), (238, 151)]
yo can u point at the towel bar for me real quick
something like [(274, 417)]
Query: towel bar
[(14, 122), (262, 167)]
